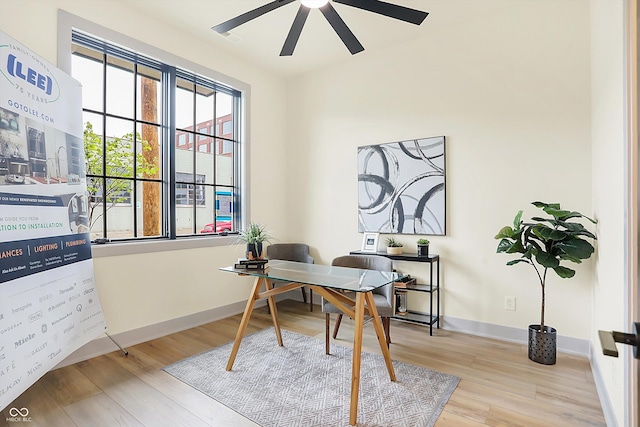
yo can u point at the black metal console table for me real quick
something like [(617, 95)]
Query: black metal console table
[(431, 288)]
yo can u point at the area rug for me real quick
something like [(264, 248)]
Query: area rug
[(299, 385)]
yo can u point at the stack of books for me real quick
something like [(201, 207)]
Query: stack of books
[(404, 282), (250, 264)]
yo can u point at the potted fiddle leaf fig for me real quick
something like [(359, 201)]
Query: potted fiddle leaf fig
[(545, 244), (254, 235)]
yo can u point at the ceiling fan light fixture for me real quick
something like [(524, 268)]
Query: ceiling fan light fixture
[(314, 4)]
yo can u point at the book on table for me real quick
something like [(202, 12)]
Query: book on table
[(250, 264)]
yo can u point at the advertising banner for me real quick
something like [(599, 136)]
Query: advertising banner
[(49, 305)]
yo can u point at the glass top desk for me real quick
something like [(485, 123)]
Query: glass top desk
[(330, 282)]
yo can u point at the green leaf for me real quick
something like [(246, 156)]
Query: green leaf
[(516, 247), (556, 213), (575, 214), (517, 220), (550, 233), (516, 261), (544, 205), (576, 229), (540, 219), (564, 256), (547, 260), (504, 245), (576, 247), (530, 240), (564, 272), (505, 232)]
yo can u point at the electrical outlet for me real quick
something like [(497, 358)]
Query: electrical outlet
[(510, 303)]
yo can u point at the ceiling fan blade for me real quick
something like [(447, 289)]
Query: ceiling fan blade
[(294, 32), (345, 34), (387, 9), (248, 16)]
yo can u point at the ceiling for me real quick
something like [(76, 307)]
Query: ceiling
[(259, 41)]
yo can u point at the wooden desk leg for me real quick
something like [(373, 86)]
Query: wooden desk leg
[(357, 355), (274, 311), (381, 335), (245, 320)]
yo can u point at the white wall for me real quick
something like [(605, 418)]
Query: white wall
[(609, 180), (508, 84), (520, 89), (145, 289)]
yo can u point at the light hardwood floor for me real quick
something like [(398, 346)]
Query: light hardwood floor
[(499, 385)]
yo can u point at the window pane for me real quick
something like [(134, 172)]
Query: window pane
[(118, 199), (87, 66), (119, 155), (184, 159), (224, 163), (148, 157), (204, 163), (204, 106), (224, 210), (149, 92), (95, 192), (149, 208), (184, 104), (184, 210), (224, 116), (119, 87), (93, 145), (204, 212)]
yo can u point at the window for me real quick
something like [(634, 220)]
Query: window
[(227, 127), (187, 193), (141, 119)]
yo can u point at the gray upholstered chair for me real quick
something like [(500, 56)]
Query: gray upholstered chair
[(382, 297), (298, 252)]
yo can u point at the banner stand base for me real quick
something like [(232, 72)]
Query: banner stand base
[(126, 353)]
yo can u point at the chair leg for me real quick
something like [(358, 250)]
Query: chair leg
[(326, 332), (337, 326), (304, 295), (386, 323), (310, 299)]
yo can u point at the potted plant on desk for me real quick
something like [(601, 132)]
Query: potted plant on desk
[(423, 247), (393, 246), (254, 235), (544, 243)]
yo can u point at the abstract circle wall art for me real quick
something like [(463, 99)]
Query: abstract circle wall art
[(401, 187)]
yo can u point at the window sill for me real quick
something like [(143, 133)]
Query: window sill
[(131, 248)]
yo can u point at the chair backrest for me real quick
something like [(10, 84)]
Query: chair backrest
[(298, 252), (368, 262)]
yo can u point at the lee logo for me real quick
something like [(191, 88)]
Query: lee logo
[(16, 69)]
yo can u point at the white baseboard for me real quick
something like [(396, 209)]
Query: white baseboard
[(569, 345), (605, 401)]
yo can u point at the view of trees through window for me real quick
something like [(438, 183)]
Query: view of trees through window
[(159, 161)]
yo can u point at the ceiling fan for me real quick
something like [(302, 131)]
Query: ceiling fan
[(348, 38)]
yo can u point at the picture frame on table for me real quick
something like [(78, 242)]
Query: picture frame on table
[(370, 242)]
